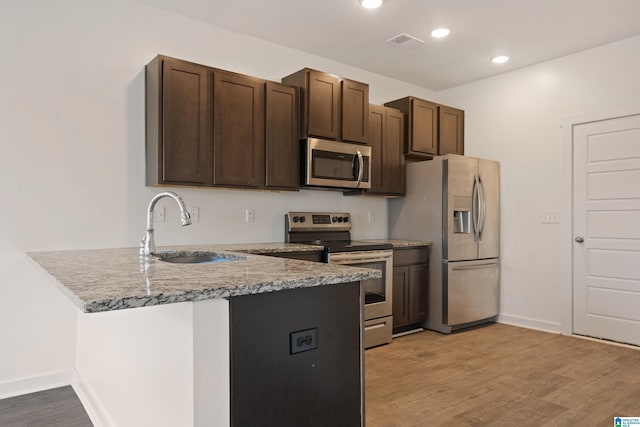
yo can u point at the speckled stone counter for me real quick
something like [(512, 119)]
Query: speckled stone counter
[(268, 248), (113, 279), (399, 244)]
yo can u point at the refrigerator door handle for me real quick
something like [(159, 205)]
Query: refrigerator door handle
[(482, 214), (475, 208)]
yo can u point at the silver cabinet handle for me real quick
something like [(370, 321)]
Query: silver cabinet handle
[(579, 239)]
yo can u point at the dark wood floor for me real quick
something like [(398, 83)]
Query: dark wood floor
[(58, 407), (500, 375), (496, 375)]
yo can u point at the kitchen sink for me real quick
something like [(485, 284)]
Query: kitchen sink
[(188, 257)]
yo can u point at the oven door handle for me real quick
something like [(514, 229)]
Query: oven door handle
[(349, 260)]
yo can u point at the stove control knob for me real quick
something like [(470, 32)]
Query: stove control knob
[(334, 219), (302, 219), (296, 219), (339, 219), (345, 219)]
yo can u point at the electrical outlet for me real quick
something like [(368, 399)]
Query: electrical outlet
[(372, 216), (303, 340), (250, 216), (194, 211), (158, 214), (549, 217)]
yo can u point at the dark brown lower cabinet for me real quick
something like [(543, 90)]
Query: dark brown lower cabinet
[(410, 288), (296, 358)]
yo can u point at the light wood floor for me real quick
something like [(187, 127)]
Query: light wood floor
[(500, 375)]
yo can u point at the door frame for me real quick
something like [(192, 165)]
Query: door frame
[(566, 209)]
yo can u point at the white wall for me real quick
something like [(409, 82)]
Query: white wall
[(72, 156), (515, 118)]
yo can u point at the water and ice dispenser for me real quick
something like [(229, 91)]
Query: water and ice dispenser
[(462, 214)]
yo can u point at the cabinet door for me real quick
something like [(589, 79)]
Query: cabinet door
[(281, 137), (417, 293), (238, 130), (376, 141), (393, 165), (400, 296), (355, 111), (423, 138), (451, 128), (178, 138), (323, 105)]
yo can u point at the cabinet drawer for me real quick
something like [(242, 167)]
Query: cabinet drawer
[(410, 256), (378, 331)]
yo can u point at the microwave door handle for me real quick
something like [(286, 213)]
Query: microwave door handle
[(360, 168)]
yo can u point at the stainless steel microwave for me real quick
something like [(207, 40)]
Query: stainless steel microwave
[(335, 164)]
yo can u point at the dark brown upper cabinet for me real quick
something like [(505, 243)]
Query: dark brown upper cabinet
[(331, 107), (355, 111), (211, 127), (422, 126), (431, 129), (319, 103), (178, 138), (451, 127), (386, 138), (281, 137), (238, 130)]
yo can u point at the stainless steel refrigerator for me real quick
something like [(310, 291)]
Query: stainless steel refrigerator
[(454, 202)]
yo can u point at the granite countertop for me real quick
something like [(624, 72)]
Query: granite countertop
[(399, 244), (267, 248), (112, 279)]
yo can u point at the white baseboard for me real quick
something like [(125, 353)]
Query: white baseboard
[(34, 384), (90, 401), (525, 322)]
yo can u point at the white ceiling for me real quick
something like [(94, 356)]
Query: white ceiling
[(529, 31)]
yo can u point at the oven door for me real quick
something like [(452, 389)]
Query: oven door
[(377, 292), (336, 164)]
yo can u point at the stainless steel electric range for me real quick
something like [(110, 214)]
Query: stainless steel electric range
[(333, 231)]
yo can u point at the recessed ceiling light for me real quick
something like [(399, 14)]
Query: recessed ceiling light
[(501, 59), (371, 4), (440, 33)]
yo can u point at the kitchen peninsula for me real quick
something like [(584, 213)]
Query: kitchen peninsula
[(225, 343)]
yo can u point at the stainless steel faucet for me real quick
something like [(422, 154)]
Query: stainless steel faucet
[(148, 244)]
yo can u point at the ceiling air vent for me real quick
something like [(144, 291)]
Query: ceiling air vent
[(405, 40)]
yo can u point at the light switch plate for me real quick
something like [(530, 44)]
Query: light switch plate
[(549, 217), (194, 211), (250, 216)]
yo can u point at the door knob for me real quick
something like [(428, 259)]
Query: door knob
[(579, 239)]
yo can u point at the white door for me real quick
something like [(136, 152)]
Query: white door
[(606, 229)]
